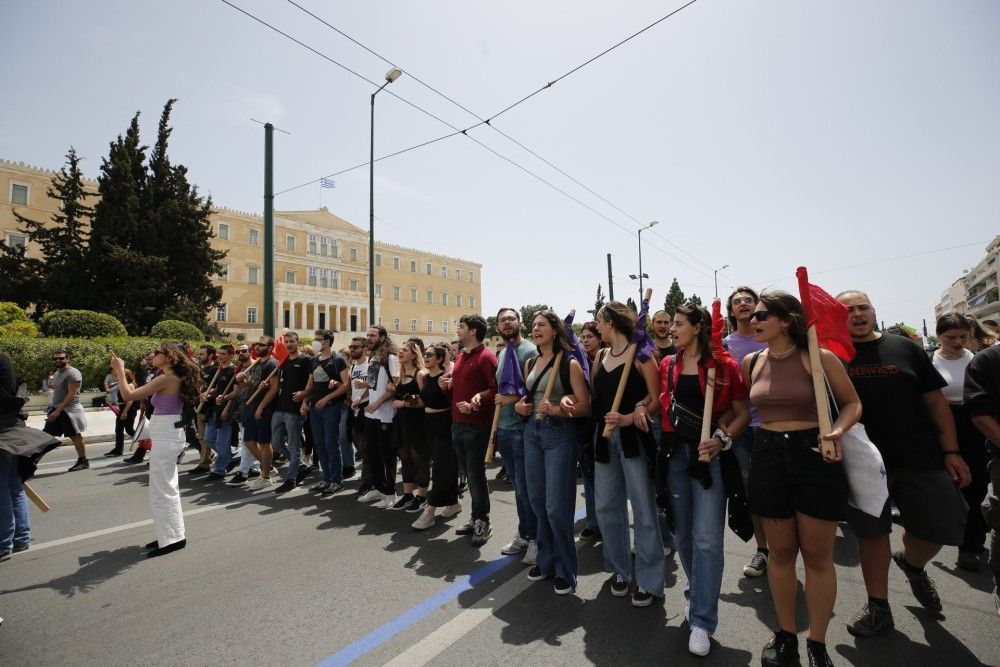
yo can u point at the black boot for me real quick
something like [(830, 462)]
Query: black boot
[(117, 451), (816, 652), (163, 551), (783, 649), (137, 456)]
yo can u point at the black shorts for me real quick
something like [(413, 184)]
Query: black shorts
[(788, 475), (931, 507), (61, 426)]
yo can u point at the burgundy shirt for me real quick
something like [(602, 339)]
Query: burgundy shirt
[(473, 372)]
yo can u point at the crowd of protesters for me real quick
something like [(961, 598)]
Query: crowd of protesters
[(421, 422)]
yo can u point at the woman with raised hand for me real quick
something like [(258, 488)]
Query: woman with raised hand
[(557, 394), (177, 384)]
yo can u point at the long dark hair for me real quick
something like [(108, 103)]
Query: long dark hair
[(620, 316), (789, 310), (186, 370), (698, 316), (559, 342)]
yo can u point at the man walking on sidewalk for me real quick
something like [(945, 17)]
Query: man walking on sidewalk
[(65, 413)]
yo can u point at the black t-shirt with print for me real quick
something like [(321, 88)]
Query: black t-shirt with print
[(292, 377), (324, 370), (891, 375)]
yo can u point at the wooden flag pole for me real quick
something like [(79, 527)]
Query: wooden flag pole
[(626, 367), (819, 388), (35, 498), (492, 447), (259, 388), (706, 417), (210, 385), (550, 383)]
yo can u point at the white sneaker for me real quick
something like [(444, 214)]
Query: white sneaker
[(451, 510), (371, 496), (424, 521), (531, 553), (699, 642), (515, 546), (386, 502), (261, 483)]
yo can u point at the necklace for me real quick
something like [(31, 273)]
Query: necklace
[(784, 354), (950, 358), (618, 354)]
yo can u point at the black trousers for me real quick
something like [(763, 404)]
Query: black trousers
[(972, 444), (127, 425), (380, 455), (444, 472)]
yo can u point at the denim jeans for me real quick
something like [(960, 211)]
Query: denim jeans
[(619, 480), (700, 522), (510, 442), (550, 454), (288, 424), (470, 442), (326, 440), (14, 526), (344, 437), (218, 435)]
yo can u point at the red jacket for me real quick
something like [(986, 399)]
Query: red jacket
[(729, 386)]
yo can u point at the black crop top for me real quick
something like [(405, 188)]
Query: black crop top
[(432, 395), (633, 440), (409, 388)]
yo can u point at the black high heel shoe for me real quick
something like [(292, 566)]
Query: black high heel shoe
[(163, 551)]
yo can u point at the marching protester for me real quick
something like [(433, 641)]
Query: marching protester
[(326, 387), (907, 417), (177, 383), (258, 412), (474, 372), (663, 341), (219, 430), (982, 400), (65, 415), (286, 393), (743, 342), (207, 364), (126, 412), (624, 460), (379, 450), (357, 352), (590, 339), (557, 394), (951, 360), (234, 408), (408, 430), (799, 493), (510, 439)]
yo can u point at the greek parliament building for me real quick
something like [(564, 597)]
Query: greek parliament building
[(320, 269)]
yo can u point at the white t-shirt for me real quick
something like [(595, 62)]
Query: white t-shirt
[(385, 413), (359, 371), (953, 372)]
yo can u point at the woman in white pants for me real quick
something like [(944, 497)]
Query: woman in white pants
[(176, 383)]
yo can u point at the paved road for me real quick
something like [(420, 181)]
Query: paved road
[(298, 580)]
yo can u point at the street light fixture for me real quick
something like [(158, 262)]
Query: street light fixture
[(390, 76), (641, 274), (715, 275)]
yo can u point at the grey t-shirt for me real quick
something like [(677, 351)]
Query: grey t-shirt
[(60, 386)]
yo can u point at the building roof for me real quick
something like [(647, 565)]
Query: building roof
[(321, 218)]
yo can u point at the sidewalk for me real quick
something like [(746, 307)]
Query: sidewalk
[(100, 425)]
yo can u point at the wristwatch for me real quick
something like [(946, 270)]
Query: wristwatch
[(727, 442)]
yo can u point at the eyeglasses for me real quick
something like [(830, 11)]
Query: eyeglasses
[(242, 350), (761, 315), (740, 300), (427, 355), (355, 347)]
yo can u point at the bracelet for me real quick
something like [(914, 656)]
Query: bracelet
[(952, 452)]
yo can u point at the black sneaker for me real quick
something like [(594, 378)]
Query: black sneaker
[(233, 463), (136, 457), (214, 477), (198, 470), (331, 488), (466, 529), (19, 547), (303, 473), (403, 502), (81, 464), (870, 621), (535, 574), (619, 586), (349, 472), (253, 473), (285, 486), (238, 479), (922, 586), (783, 649), (818, 657), (968, 560), (481, 532), (417, 504), (562, 586), (642, 597), (114, 452), (757, 565), (502, 473), (589, 534)]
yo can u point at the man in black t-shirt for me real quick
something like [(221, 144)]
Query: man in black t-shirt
[(219, 431), (286, 393), (907, 417), (206, 360), (328, 382)]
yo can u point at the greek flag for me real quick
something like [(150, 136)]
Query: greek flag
[(327, 183)]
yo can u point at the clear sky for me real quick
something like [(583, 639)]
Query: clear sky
[(762, 135)]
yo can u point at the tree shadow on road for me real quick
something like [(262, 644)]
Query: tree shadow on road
[(981, 581), (94, 570)]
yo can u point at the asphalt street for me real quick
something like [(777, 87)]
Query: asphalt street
[(302, 580)]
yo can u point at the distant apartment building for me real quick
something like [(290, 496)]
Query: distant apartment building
[(975, 293)]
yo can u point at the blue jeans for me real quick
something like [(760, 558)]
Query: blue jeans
[(550, 453), (346, 446), (326, 440), (288, 424), (511, 445), (619, 480), (14, 526), (700, 522), (218, 435)]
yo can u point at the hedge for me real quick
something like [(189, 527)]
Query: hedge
[(175, 330), (80, 323), (11, 312), (19, 329), (32, 357)]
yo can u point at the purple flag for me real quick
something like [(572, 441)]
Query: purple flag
[(643, 344), (578, 352), (511, 378)]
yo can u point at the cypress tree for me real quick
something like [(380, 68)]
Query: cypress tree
[(598, 302), (674, 298)]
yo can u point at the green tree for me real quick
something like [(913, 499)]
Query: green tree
[(20, 276), (695, 300), (528, 314), (598, 302), (674, 298), (630, 302), (491, 326)]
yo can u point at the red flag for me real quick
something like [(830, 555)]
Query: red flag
[(253, 352), (829, 315), (719, 352), (280, 352)]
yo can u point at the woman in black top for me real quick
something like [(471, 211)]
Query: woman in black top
[(125, 419), (408, 430), (437, 428)]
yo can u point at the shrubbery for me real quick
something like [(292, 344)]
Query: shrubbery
[(175, 330), (11, 312), (80, 324), (19, 329)]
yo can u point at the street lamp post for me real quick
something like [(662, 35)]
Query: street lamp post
[(715, 276), (390, 76), (641, 230)]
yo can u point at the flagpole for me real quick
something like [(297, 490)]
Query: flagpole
[(816, 365), (706, 418)]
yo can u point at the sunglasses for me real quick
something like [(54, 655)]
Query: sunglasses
[(242, 350), (740, 300), (761, 315), (355, 347)]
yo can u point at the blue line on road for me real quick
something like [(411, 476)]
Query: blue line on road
[(421, 610)]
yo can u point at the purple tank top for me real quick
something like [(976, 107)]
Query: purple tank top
[(166, 404)]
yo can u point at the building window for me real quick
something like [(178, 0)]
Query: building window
[(251, 314), (313, 276), (312, 244), (335, 248), (324, 246), (395, 293), (444, 298), (413, 266), (354, 254), (354, 285), (458, 274), (430, 296), (289, 242), (378, 290), (413, 325), (395, 324), (253, 275), (444, 326), (324, 277), (444, 271), (335, 279), (413, 294), (220, 313), (430, 326), (395, 263), (472, 277), (428, 268), (19, 194), (290, 277), (223, 234), (378, 259), (472, 302), (253, 237), (458, 300), (17, 240)]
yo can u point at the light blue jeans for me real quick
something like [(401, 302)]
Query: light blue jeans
[(511, 445), (218, 435), (700, 522), (325, 425), (550, 452), (286, 427), (616, 482), (14, 526)]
